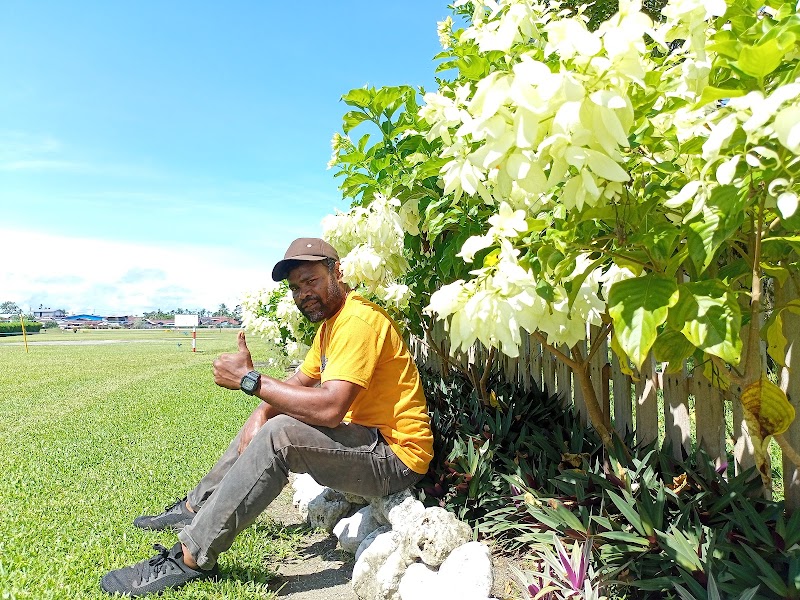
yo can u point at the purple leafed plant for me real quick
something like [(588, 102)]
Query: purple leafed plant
[(563, 575)]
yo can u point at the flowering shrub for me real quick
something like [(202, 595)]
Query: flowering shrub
[(640, 177), (370, 243), (272, 314)]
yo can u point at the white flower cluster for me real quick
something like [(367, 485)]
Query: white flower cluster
[(369, 241), (339, 142), (530, 128), (279, 325), (763, 120), (502, 300), (444, 29)]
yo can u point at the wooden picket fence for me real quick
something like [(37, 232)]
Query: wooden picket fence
[(683, 408)]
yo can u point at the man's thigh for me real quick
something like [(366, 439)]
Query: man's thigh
[(349, 458)]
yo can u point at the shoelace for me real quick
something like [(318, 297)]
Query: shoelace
[(155, 566), (170, 507)]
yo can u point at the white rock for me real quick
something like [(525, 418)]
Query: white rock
[(305, 490), (420, 582), (436, 535), (406, 515), (327, 509), (379, 568), (369, 539), (384, 504), (351, 531), (467, 571)]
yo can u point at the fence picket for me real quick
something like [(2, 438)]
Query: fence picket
[(743, 452), (647, 403), (621, 392), (563, 383), (709, 416), (677, 423), (599, 374), (537, 356), (549, 371)]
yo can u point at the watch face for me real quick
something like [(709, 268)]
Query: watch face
[(249, 382)]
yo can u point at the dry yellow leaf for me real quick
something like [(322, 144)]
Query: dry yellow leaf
[(769, 405)]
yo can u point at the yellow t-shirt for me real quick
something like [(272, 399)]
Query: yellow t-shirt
[(361, 344)]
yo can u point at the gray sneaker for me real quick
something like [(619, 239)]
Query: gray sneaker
[(175, 517), (164, 571)]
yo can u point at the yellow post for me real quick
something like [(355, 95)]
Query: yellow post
[(24, 335)]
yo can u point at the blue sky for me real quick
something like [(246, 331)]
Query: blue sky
[(164, 154)]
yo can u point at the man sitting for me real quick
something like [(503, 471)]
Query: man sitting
[(353, 416)]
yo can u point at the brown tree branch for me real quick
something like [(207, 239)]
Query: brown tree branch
[(552, 350), (598, 341), (487, 369)]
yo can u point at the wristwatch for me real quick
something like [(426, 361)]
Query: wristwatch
[(250, 383)]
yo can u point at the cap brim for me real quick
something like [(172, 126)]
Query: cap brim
[(281, 269)]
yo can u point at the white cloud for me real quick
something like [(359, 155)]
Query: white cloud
[(108, 277)]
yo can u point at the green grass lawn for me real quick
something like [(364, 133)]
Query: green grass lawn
[(96, 433)]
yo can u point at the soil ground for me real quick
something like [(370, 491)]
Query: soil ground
[(321, 571)]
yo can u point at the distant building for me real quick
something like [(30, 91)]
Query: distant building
[(219, 322), (76, 321), (48, 314), (120, 320)]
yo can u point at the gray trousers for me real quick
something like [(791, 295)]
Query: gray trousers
[(349, 458)]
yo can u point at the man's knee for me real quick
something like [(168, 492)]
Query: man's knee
[(281, 431)]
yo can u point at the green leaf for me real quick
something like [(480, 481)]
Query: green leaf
[(352, 119), (624, 536), (681, 549), (780, 274), (712, 94), (659, 241), (666, 167), (672, 347), (569, 519), (638, 307), (721, 218), (773, 332), (791, 240), (708, 315), (761, 60), (473, 67), (726, 43), (359, 97), (388, 100), (768, 575), (625, 506)]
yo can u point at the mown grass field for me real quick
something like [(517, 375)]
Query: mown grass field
[(95, 433)]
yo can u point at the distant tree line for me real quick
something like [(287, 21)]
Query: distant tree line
[(12, 308), (222, 311)]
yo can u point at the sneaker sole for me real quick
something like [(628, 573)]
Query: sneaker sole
[(175, 528)]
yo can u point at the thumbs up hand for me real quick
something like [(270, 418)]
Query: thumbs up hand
[(244, 350), (230, 368)]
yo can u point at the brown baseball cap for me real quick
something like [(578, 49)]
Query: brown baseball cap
[(303, 249)]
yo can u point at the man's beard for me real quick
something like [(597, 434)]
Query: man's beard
[(322, 311)]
